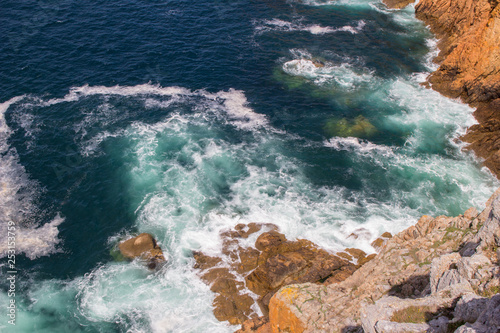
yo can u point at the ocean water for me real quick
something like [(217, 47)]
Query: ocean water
[(183, 119)]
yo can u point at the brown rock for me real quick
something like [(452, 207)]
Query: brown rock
[(274, 262), (396, 4), (236, 310), (256, 325), (345, 255), (340, 274), (248, 260), (205, 262), (269, 240), (356, 253), (143, 246), (366, 259)]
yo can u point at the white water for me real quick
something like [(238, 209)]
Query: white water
[(18, 194), (315, 29)]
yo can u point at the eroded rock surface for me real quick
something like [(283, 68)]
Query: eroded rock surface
[(423, 268), (246, 277)]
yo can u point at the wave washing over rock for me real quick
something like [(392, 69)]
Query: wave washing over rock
[(469, 60), (337, 144), (442, 274), (435, 276)]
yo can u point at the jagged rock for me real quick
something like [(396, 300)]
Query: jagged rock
[(470, 214), (283, 262), (439, 325), (402, 270), (380, 242), (380, 317), (269, 241), (450, 278), (472, 267), (439, 267), (398, 3), (469, 32), (340, 274), (469, 307), (143, 246), (256, 325), (489, 234), (488, 321), (282, 317), (274, 262)]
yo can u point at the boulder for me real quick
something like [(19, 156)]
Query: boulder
[(469, 307), (488, 321), (143, 246)]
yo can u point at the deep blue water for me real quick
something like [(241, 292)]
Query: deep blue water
[(183, 119)]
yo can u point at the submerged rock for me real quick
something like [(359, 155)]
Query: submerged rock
[(143, 246), (359, 127)]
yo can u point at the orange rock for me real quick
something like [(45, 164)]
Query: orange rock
[(269, 240), (256, 325), (281, 316), (143, 246), (275, 262), (356, 253), (398, 3)]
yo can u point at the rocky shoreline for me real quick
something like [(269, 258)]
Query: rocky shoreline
[(469, 64), (441, 275), (257, 260)]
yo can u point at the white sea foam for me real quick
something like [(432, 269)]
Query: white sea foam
[(17, 201), (424, 106), (187, 183), (325, 73), (315, 29), (229, 106), (350, 3), (76, 93)]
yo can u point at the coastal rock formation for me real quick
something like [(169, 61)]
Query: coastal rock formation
[(143, 246), (246, 276), (424, 279), (469, 33)]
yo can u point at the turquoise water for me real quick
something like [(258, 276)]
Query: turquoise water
[(183, 119)]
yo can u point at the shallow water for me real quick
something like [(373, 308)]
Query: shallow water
[(183, 119)]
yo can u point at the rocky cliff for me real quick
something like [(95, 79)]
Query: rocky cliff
[(437, 276), (469, 33)]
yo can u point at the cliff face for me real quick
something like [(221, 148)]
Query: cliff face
[(470, 54), (432, 277), (469, 33)]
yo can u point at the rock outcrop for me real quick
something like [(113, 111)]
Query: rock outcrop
[(425, 279), (143, 246), (469, 33), (246, 277)]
